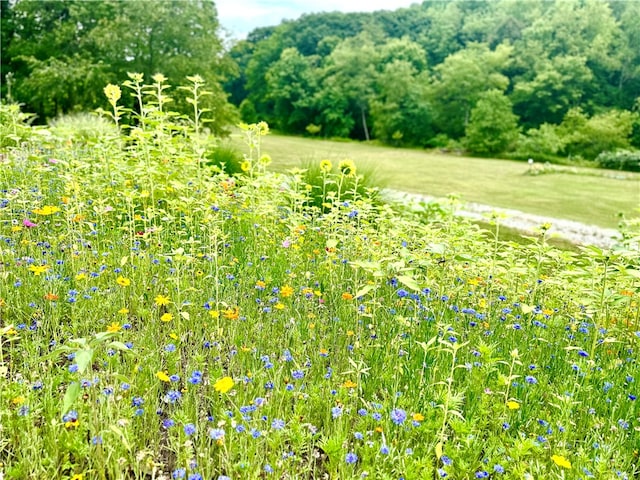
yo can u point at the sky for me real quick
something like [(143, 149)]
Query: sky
[(239, 17)]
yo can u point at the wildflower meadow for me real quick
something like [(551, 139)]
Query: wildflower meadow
[(163, 319)]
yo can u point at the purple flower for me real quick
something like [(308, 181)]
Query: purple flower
[(398, 416), (189, 429), (351, 458)]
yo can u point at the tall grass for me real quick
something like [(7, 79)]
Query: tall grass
[(161, 319)]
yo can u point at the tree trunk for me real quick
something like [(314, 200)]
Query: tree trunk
[(364, 124)]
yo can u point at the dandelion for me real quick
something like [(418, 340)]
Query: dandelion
[(166, 317), (123, 281), (123, 311), (223, 385), (163, 376), (347, 296), (561, 461)]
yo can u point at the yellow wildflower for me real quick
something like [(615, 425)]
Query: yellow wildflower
[(163, 376), (561, 461), (123, 311), (114, 327), (347, 168), (286, 291), (167, 317), (349, 384), (113, 93), (418, 417), (38, 269), (511, 405), (47, 210), (162, 300), (347, 296), (325, 166), (223, 385), (19, 400), (123, 281)]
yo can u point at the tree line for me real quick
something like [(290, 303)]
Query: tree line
[(528, 77), (57, 56), (516, 77)]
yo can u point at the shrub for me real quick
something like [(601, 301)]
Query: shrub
[(620, 160), (86, 128), (341, 182), (588, 137), (226, 157)]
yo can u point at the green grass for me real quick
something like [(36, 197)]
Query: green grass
[(570, 193)]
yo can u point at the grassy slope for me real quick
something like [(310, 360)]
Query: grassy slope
[(586, 198)]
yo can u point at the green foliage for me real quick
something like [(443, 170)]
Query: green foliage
[(226, 157), (14, 125), (540, 144), (462, 79), (85, 128), (589, 136), (405, 76), (330, 185), (61, 53), (493, 128), (620, 160)]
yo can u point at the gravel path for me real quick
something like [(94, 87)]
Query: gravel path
[(575, 232)]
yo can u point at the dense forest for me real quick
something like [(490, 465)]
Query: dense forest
[(530, 76), (521, 78)]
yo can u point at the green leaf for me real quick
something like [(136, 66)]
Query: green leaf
[(119, 346), (409, 282), (439, 447), (71, 395), (633, 273), (364, 290), (83, 359)]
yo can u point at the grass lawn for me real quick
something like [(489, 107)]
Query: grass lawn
[(585, 195)]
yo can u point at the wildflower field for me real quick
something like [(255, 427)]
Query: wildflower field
[(162, 319)]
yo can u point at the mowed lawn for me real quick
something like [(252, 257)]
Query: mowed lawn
[(586, 195)]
